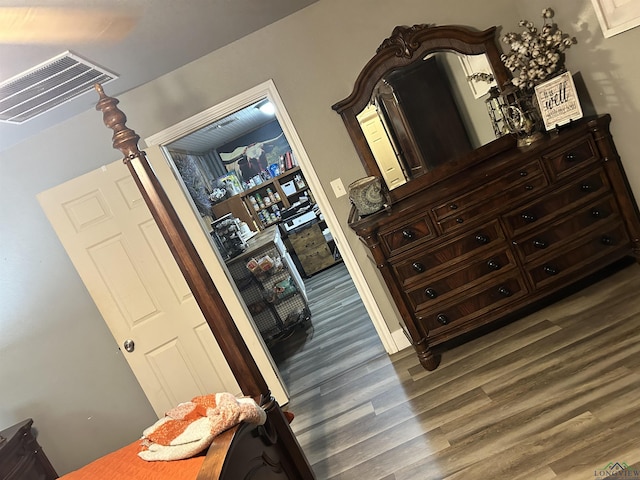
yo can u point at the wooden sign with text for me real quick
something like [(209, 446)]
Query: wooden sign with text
[(558, 101)]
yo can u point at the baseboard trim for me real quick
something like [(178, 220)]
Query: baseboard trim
[(400, 339)]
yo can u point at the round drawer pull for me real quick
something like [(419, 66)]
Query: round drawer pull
[(453, 206), (527, 217), (494, 264), (540, 244), (408, 234), (606, 240), (459, 220), (481, 238), (418, 267), (528, 187), (442, 319), (595, 213), (570, 157), (585, 187), (504, 291), (524, 173), (549, 270), (431, 293)]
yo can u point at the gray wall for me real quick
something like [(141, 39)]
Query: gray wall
[(59, 363)]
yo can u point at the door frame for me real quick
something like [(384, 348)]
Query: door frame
[(268, 90)]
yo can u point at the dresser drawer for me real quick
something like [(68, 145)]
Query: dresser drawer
[(497, 293), (399, 237), (567, 229), (566, 198), (518, 178), (432, 258), (586, 252), (571, 157), (438, 290), (493, 202)]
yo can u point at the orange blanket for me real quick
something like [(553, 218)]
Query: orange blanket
[(125, 464)]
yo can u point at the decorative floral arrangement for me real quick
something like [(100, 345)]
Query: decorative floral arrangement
[(536, 55)]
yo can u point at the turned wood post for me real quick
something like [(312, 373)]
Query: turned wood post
[(214, 310)]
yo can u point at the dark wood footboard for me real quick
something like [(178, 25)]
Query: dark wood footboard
[(247, 452)]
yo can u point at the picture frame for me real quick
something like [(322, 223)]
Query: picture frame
[(616, 17), (558, 101)]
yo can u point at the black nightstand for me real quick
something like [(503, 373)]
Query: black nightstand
[(21, 457)]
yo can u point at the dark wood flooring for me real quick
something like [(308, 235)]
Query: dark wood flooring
[(554, 395)]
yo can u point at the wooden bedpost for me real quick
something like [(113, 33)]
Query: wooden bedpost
[(214, 310)]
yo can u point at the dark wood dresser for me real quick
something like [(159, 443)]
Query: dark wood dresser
[(21, 457), (502, 232)]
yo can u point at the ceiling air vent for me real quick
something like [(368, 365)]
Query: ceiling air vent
[(47, 86)]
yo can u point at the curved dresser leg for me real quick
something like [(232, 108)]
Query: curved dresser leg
[(427, 358)]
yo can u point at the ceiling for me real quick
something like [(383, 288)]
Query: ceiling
[(224, 130), (165, 35)]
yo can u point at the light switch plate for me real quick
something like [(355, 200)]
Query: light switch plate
[(338, 188)]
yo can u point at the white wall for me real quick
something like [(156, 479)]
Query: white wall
[(59, 364)]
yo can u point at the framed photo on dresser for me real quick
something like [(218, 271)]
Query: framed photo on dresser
[(558, 101)]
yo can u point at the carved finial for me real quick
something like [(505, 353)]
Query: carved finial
[(401, 40), (124, 139)]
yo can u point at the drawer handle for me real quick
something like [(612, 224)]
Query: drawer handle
[(549, 270), (524, 173), (494, 264), (585, 187), (418, 267), (459, 220), (481, 238), (408, 234), (527, 217), (595, 213), (570, 157), (442, 318), (528, 187), (504, 291), (606, 240), (431, 293), (453, 206), (540, 244)]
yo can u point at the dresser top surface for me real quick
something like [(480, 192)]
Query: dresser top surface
[(11, 432)]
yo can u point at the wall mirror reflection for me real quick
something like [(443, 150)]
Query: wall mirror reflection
[(428, 113), (419, 103)]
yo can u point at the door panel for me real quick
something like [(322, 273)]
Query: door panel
[(130, 273), (215, 265)]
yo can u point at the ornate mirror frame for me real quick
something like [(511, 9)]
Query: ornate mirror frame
[(406, 46)]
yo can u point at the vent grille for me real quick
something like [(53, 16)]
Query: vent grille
[(47, 86)]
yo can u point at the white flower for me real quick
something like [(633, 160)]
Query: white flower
[(535, 55)]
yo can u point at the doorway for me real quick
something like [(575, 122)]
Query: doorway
[(222, 178)]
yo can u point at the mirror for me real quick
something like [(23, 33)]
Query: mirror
[(419, 103)]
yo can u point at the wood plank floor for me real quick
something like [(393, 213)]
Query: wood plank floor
[(554, 395), (340, 336)]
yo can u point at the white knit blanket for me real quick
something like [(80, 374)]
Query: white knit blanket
[(189, 428)]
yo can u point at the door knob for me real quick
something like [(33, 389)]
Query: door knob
[(129, 345)]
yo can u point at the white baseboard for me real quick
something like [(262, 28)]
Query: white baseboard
[(400, 339)]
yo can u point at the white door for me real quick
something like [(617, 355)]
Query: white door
[(116, 246)]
